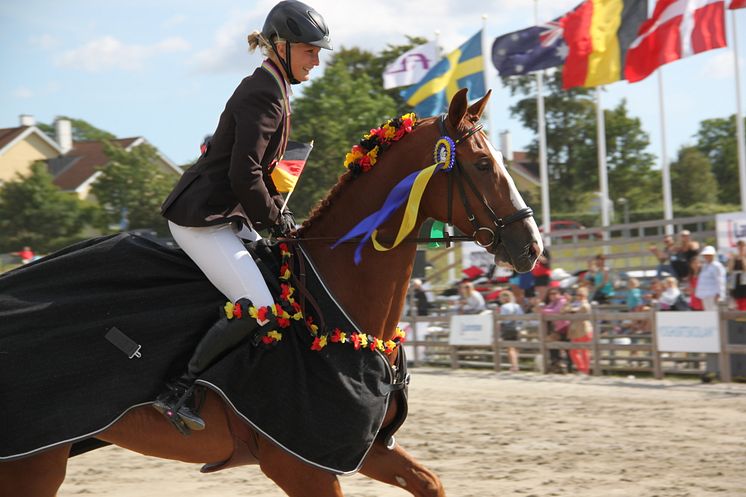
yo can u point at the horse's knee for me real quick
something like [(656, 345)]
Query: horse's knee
[(427, 484)]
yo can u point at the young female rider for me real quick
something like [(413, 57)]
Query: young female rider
[(229, 194)]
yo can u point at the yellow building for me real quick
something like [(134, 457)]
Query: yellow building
[(22, 146), (75, 165)]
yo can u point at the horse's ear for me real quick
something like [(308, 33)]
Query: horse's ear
[(478, 107), (457, 109)]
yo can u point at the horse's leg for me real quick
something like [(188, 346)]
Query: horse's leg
[(397, 467), (295, 477), (35, 476)]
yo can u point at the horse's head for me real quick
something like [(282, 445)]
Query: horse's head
[(478, 194)]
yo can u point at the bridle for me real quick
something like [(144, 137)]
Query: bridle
[(456, 174)]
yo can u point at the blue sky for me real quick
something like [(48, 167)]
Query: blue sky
[(164, 69)]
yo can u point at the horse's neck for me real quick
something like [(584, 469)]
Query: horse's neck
[(373, 293)]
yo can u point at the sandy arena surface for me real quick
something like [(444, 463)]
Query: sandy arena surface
[(526, 435)]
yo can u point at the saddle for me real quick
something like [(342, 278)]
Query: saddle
[(66, 381)]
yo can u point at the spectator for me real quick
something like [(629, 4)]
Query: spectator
[(420, 298), (736, 276), (634, 295), (664, 256), (671, 299), (600, 278), (711, 282), (542, 272), (580, 331), (471, 301), (554, 303), (695, 304), (686, 250), (26, 255), (509, 329)]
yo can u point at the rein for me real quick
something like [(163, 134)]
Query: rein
[(446, 161)]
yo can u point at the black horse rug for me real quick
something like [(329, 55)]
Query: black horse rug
[(66, 376)]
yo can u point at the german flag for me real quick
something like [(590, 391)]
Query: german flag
[(287, 171), (598, 34)]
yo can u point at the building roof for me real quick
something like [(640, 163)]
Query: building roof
[(7, 135), (82, 162)]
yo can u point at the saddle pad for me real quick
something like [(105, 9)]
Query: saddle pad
[(62, 380)]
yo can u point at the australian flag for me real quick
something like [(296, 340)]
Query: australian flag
[(530, 49)]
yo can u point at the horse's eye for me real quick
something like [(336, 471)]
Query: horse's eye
[(483, 164)]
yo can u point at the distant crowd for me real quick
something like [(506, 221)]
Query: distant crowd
[(687, 277)]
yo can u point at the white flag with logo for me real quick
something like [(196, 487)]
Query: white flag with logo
[(411, 66)]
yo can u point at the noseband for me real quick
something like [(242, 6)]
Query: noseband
[(458, 174)]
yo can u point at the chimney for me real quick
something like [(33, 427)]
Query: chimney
[(64, 131), (506, 145), (27, 120)]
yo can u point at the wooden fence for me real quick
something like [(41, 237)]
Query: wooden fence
[(616, 347)]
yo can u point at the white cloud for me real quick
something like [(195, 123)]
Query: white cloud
[(110, 53), (23, 92), (372, 26), (719, 65), (174, 20), (229, 51), (45, 41)]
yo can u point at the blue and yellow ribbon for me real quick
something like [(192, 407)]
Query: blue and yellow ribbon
[(410, 189)]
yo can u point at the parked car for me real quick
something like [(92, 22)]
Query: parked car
[(564, 225)]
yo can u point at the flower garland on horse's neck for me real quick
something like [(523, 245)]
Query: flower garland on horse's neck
[(364, 155)]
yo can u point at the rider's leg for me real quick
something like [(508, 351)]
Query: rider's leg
[(221, 255)]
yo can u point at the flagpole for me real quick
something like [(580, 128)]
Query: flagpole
[(602, 174), (490, 127), (740, 140), (665, 167), (543, 167)]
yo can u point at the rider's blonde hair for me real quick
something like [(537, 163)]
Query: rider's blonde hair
[(257, 40)]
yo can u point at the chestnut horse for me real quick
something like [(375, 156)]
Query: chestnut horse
[(373, 294)]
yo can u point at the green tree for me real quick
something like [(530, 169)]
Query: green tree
[(334, 111), (34, 212), (131, 185), (572, 149), (692, 179), (82, 130), (716, 139)]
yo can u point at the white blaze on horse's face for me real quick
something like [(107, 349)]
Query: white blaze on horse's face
[(515, 195)]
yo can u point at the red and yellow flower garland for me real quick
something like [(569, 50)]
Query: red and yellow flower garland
[(282, 314), (363, 156)]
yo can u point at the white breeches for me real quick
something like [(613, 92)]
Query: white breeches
[(222, 256)]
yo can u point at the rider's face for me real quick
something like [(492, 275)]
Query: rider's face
[(303, 58)]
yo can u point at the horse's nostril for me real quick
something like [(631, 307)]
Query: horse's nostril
[(534, 249)]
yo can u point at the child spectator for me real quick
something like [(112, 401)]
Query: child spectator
[(580, 331), (509, 329), (634, 295), (554, 303)]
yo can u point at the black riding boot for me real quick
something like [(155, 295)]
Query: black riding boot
[(176, 402)]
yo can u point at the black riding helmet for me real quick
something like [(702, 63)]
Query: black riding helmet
[(295, 22)]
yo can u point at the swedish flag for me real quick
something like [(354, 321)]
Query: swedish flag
[(462, 68)]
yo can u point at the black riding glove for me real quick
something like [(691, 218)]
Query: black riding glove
[(285, 225)]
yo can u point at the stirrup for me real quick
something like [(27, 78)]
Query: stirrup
[(172, 405)]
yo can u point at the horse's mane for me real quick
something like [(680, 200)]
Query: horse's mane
[(323, 205)]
